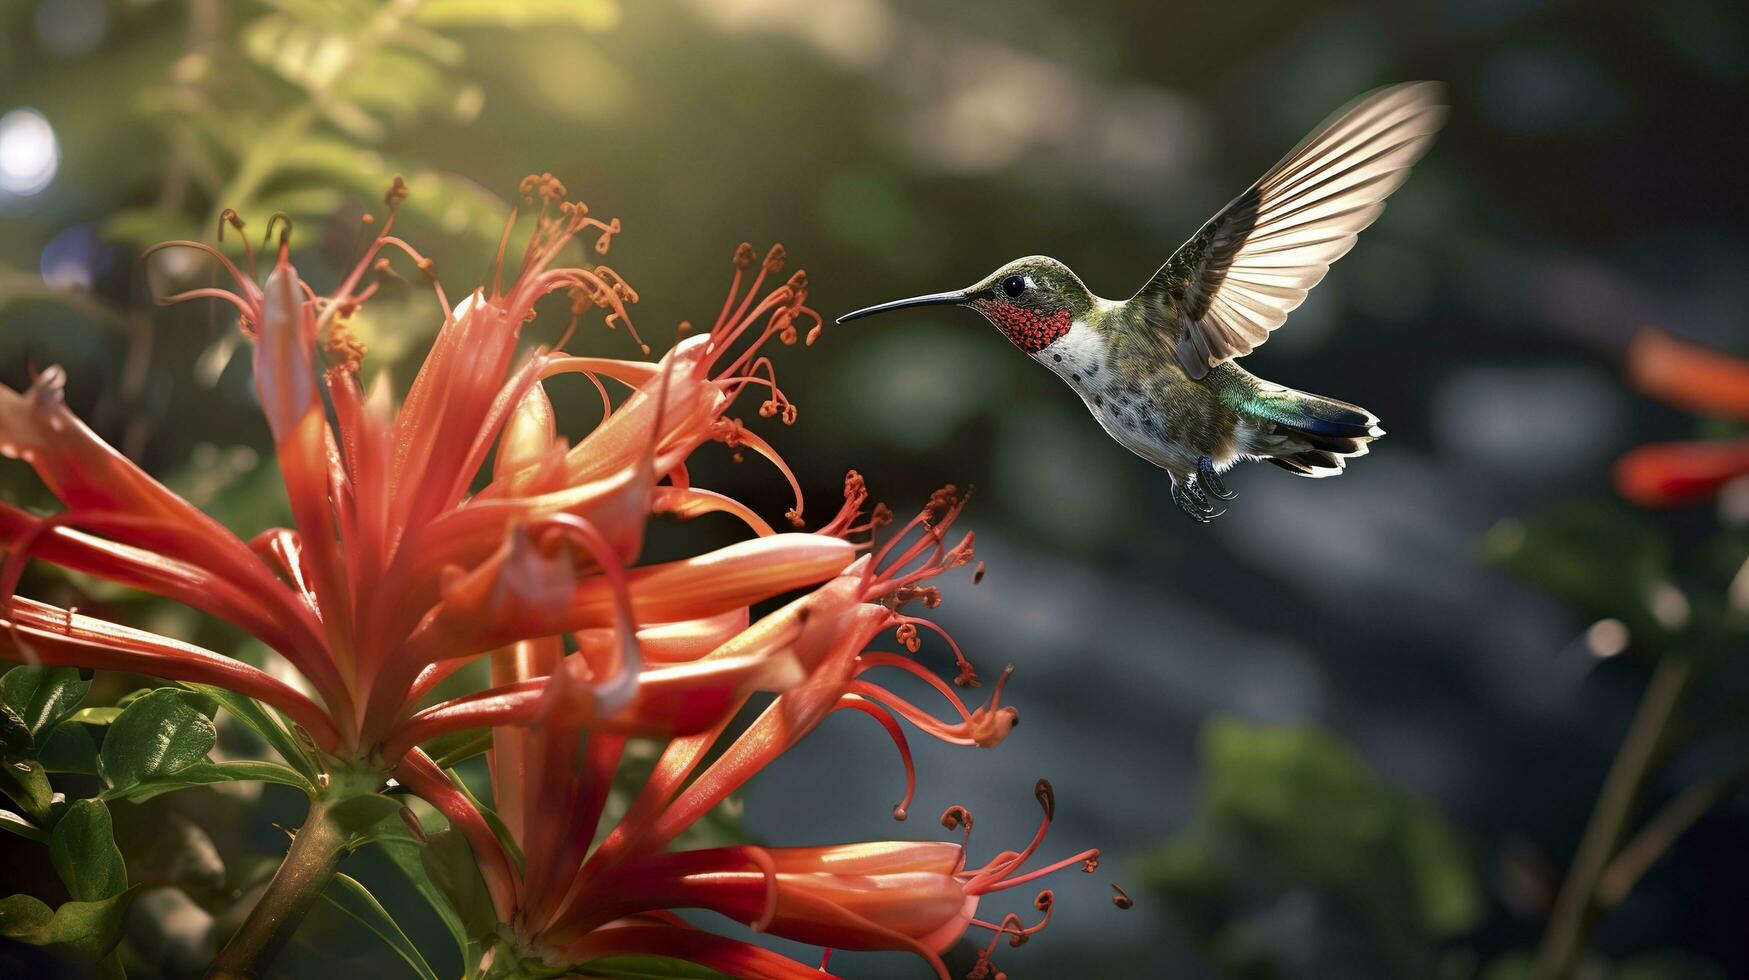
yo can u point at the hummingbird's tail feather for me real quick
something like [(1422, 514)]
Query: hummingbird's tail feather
[(1306, 434)]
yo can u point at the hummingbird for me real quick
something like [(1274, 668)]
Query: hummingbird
[(1157, 370)]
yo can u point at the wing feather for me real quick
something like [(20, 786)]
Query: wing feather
[(1238, 278)]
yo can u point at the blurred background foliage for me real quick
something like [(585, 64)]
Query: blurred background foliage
[(1355, 728)]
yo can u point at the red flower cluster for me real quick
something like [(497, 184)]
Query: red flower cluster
[(397, 573)]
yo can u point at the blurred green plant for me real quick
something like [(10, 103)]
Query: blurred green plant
[(1291, 813), (1688, 618), (286, 116)]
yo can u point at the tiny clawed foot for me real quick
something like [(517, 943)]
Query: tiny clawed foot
[(1211, 481), (1196, 505)]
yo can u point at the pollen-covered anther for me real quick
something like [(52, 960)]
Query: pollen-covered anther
[(1047, 798), (603, 243), (1122, 899), (396, 193), (730, 432), (345, 351), (930, 595), (906, 634), (942, 501), (745, 256), (542, 186), (774, 259), (955, 817)]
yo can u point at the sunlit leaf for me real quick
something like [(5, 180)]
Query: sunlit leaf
[(43, 696), (157, 736), (104, 715)]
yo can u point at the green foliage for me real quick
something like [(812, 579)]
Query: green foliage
[(84, 852), (406, 851), (291, 118), (206, 773), (1563, 551), (89, 930), (38, 735), (1295, 809), (85, 856), (43, 696), (156, 737), (449, 865), (264, 722)]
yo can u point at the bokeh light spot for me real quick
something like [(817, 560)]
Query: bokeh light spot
[(29, 154)]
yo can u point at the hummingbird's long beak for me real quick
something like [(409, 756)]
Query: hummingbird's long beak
[(954, 298)]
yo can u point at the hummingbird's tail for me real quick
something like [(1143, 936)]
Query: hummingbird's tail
[(1307, 434)]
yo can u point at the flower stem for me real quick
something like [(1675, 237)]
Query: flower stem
[(309, 865), (1576, 908)]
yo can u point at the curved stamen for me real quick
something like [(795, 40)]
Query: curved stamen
[(897, 734)]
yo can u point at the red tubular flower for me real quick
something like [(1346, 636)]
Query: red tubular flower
[(572, 900), (395, 574), (1696, 379)]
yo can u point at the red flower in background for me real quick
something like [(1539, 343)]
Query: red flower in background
[(1700, 380)]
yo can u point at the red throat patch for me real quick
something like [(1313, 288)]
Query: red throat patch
[(1029, 330)]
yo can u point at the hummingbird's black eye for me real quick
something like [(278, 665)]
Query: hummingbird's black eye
[(1014, 285)]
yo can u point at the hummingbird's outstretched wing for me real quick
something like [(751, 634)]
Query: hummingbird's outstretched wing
[(1237, 278)]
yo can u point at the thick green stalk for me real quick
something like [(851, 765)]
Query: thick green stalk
[(309, 866)]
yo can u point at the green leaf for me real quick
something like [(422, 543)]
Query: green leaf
[(650, 968), (89, 929), (43, 696), (262, 722), (157, 736), (207, 773), (395, 836), (452, 748), (450, 866), (84, 852), (347, 895), (15, 824), (69, 748), (360, 816), (26, 782)]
